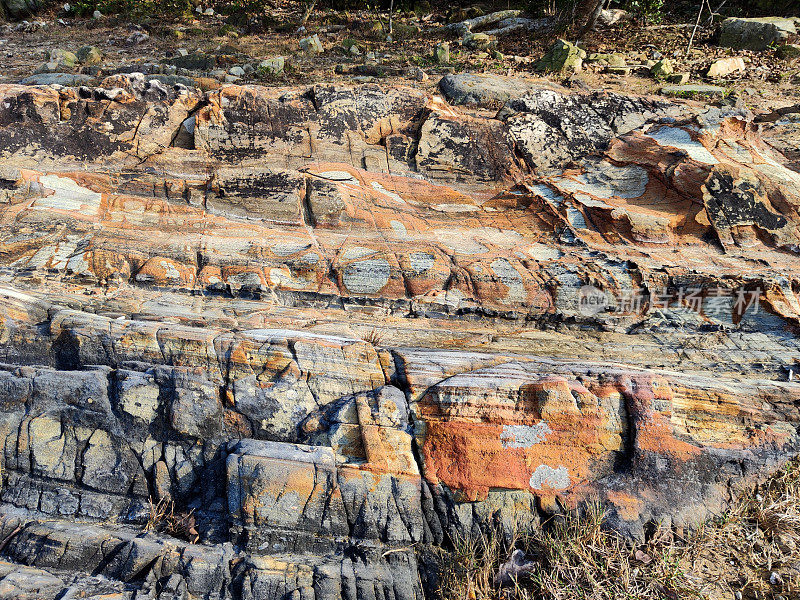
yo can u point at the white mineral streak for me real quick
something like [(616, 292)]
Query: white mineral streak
[(546, 477)]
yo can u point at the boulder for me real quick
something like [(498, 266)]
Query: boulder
[(613, 16), (272, 66), (441, 53), (755, 34), (662, 69), (311, 45), (483, 88), (678, 78), (562, 56), (197, 61), (63, 58), (478, 41), (17, 9), (726, 66), (89, 55)]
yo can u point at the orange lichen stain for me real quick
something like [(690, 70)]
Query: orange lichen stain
[(470, 457), (236, 424), (164, 271), (628, 507)]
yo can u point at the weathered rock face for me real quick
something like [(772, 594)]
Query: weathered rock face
[(344, 324), (755, 34)]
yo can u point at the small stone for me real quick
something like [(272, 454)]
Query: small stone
[(481, 55), (726, 66), (209, 12), (97, 15), (182, 52), (48, 67), (789, 51), (607, 59), (63, 58), (497, 55), (311, 45), (355, 50), (237, 71), (441, 53), (562, 56), (161, 481), (477, 41), (207, 83), (689, 91), (662, 69), (273, 66), (197, 61), (775, 578), (89, 55), (417, 74), (231, 78), (136, 38), (678, 78)]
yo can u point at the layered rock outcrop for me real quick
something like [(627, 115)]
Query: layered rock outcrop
[(343, 325)]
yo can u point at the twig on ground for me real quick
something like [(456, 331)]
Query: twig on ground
[(9, 537)]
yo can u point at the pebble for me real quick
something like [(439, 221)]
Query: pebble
[(136, 38)]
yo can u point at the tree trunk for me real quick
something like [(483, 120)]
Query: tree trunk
[(589, 14)]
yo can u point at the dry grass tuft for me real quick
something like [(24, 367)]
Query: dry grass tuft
[(374, 337), (572, 557), (753, 549), (163, 518)]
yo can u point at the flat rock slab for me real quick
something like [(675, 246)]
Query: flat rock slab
[(691, 90), (65, 79), (483, 89)]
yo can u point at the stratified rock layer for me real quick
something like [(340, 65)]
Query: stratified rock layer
[(343, 325)]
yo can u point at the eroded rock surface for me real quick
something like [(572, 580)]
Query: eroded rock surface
[(343, 325)]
